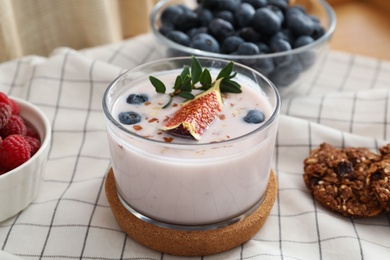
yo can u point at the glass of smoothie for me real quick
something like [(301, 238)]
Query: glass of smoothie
[(182, 181)]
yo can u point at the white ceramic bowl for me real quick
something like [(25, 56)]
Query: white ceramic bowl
[(20, 186), (285, 77)]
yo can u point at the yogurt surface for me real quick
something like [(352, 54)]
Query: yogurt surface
[(230, 123)]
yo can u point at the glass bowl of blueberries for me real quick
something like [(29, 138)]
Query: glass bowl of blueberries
[(282, 39)]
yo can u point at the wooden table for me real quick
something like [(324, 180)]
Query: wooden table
[(363, 27)]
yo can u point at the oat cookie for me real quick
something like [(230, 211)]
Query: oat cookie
[(338, 178), (380, 178), (385, 151)]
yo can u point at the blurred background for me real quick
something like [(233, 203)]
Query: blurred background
[(39, 26)]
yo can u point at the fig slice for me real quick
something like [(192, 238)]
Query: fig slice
[(195, 116)]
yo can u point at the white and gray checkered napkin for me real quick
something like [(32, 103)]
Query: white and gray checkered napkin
[(345, 102)]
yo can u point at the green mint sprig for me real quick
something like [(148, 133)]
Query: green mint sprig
[(197, 78)]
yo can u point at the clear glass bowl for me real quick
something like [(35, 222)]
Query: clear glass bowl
[(285, 77), (191, 184)]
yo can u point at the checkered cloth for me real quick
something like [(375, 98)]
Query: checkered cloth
[(345, 102)]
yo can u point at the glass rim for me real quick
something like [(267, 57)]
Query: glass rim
[(269, 121)]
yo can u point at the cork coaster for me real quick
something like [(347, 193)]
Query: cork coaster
[(190, 243)]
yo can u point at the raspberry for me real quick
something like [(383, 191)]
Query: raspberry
[(18, 141), (15, 126), (5, 114), (14, 106), (14, 151), (34, 143), (32, 132)]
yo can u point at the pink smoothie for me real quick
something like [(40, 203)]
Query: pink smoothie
[(191, 182)]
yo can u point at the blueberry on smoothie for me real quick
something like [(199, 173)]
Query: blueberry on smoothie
[(137, 99), (129, 118), (254, 117)]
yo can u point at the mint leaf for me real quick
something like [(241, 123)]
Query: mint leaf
[(186, 85), (226, 71), (196, 70), (158, 85), (188, 77), (230, 86), (205, 77), (186, 95), (231, 76), (177, 83), (185, 72)]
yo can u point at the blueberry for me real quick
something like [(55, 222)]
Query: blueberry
[(281, 35), (231, 43), (209, 4), (254, 117), (195, 31), (185, 8), (306, 59), (187, 21), (281, 4), (244, 15), (266, 21), (226, 15), (205, 42), (248, 48), (256, 3), (296, 8), (166, 28), (283, 76), (136, 99), (281, 46), (129, 118), (302, 41), (263, 47), (249, 34), (277, 11), (300, 24), (265, 66), (170, 14), (220, 28), (318, 31), (314, 18), (205, 15), (178, 37), (231, 5)]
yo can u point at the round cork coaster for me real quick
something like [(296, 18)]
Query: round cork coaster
[(190, 243)]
